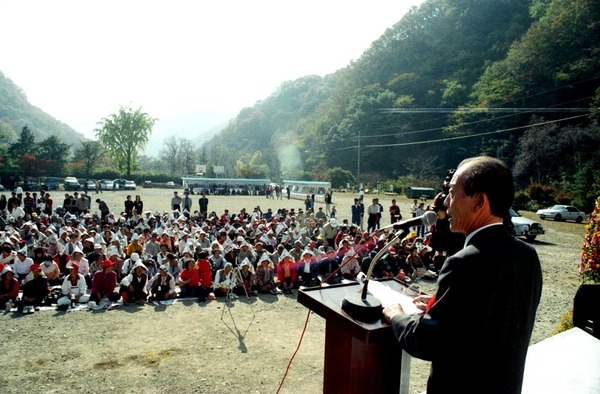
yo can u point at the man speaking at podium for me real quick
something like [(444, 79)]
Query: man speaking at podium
[(477, 327)]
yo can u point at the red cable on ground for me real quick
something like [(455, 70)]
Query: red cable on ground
[(308, 315), (294, 355)]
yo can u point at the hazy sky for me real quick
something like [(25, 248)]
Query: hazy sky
[(192, 64)]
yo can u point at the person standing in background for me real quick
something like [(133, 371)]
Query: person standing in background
[(203, 202)]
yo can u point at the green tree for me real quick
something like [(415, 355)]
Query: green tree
[(24, 153), (53, 156), (339, 178), (252, 167), (123, 134), (90, 155)]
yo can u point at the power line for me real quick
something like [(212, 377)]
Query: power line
[(471, 136), (480, 110)]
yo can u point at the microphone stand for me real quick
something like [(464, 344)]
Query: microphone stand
[(363, 306)]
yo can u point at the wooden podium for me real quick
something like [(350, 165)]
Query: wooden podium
[(359, 357)]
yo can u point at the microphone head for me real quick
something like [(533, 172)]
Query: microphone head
[(429, 218)]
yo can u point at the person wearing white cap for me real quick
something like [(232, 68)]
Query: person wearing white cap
[(246, 252), (308, 268), (266, 276), (129, 263), (245, 280), (135, 246), (287, 272), (225, 281), (73, 288), (133, 286), (9, 288), (84, 264), (22, 264), (162, 285), (330, 230)]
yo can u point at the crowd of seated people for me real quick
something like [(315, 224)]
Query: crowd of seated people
[(63, 261)]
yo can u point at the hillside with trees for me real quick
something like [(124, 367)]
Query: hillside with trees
[(16, 112), (518, 80), (515, 79)]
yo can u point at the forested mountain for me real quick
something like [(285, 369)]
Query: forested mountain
[(454, 78), (16, 113)]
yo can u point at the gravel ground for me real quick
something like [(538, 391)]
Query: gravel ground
[(216, 347)]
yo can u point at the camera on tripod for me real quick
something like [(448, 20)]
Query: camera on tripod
[(439, 201)]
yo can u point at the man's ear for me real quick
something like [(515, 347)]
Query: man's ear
[(481, 201)]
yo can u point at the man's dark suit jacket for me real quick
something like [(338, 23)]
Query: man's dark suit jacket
[(477, 332)]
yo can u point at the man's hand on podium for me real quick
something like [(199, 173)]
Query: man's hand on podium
[(392, 310), (422, 301)]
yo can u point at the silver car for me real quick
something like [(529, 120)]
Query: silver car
[(561, 212), (524, 227)]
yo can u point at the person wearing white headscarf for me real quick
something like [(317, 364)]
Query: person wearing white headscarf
[(134, 286), (225, 281)]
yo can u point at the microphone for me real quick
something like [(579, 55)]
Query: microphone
[(367, 308), (428, 219)]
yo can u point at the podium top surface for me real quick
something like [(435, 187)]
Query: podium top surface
[(327, 302)]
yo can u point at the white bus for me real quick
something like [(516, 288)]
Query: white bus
[(299, 189)]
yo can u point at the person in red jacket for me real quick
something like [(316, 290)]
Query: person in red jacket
[(205, 271), (103, 285), (287, 272), (9, 288), (189, 280)]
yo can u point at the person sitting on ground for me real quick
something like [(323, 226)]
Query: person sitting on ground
[(162, 285), (266, 276), (224, 281), (133, 286), (74, 288), (245, 280), (52, 272), (328, 266), (22, 264), (103, 285), (203, 268), (217, 261), (35, 290), (130, 262), (9, 288), (189, 280), (416, 264), (173, 266), (84, 265), (286, 272), (308, 269), (134, 246), (350, 266)]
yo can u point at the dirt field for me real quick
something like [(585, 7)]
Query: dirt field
[(213, 347)]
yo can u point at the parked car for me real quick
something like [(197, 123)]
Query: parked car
[(50, 183), (147, 184), (31, 185), (89, 185), (171, 185), (562, 212), (71, 184), (2, 188), (524, 227), (129, 185), (120, 183), (106, 184)]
